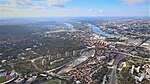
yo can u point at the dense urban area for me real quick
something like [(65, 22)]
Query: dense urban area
[(75, 51)]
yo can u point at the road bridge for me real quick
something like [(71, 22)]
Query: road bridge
[(133, 48)]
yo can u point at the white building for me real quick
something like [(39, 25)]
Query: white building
[(43, 62), (139, 78), (30, 80), (132, 69), (122, 65), (147, 71)]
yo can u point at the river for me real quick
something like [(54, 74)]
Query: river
[(97, 30)]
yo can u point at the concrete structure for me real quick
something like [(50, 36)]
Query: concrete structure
[(66, 54), (142, 77), (122, 65), (4, 62), (137, 69), (74, 53), (147, 76), (30, 80), (100, 58), (78, 82), (147, 71), (49, 57), (132, 69), (44, 62), (19, 81), (139, 78)]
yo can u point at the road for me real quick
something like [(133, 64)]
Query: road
[(113, 75), (33, 62), (113, 78), (121, 56), (133, 48), (86, 53), (84, 56)]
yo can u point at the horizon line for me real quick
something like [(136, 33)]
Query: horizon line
[(75, 16)]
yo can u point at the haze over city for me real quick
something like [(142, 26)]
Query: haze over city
[(64, 8)]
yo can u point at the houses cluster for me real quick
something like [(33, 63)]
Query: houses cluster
[(84, 74), (103, 55)]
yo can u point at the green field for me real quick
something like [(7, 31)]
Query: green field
[(2, 79), (52, 82)]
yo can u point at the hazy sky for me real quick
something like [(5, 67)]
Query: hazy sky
[(53, 8)]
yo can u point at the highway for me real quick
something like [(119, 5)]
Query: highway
[(113, 75), (86, 53), (40, 57), (122, 55), (131, 49), (113, 78), (33, 62), (84, 56)]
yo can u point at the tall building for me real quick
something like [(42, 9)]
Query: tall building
[(74, 53), (66, 54), (49, 57), (58, 55), (43, 62)]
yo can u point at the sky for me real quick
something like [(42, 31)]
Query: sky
[(65, 8)]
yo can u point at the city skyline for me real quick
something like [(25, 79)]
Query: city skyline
[(65, 8)]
